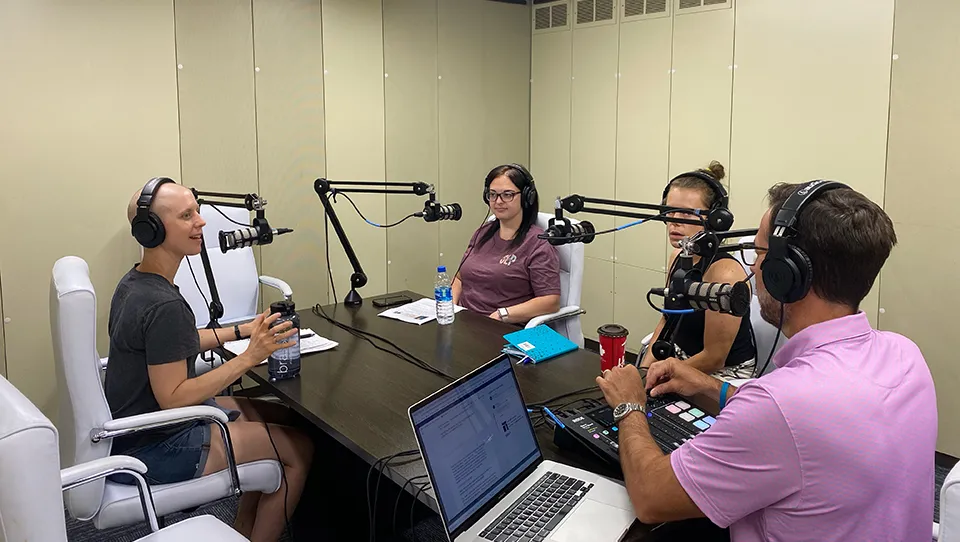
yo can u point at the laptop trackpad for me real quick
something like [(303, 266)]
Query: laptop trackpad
[(594, 521)]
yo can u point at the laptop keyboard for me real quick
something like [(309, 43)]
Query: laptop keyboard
[(538, 511)]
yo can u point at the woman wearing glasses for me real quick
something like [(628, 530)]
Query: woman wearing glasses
[(712, 342), (506, 271)]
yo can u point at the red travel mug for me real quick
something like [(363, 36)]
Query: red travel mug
[(613, 344)]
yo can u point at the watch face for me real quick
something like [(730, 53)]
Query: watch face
[(620, 410)]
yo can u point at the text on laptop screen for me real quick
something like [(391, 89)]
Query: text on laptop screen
[(475, 438)]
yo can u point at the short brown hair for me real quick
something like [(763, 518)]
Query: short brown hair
[(847, 237)]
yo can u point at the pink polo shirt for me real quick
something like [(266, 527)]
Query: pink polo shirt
[(837, 444)]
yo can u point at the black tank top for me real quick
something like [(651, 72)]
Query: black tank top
[(689, 334)]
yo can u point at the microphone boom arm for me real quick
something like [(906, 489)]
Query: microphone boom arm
[(326, 188)]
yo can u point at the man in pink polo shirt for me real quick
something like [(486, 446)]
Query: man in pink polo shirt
[(838, 443)]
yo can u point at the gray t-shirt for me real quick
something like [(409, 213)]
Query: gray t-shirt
[(150, 324)]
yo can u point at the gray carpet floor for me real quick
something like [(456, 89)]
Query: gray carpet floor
[(428, 530)]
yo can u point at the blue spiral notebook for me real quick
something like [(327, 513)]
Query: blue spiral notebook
[(540, 343)]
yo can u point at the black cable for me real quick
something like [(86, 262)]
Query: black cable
[(465, 256), (400, 353), (207, 303), (326, 242), (413, 508), (372, 506), (283, 478), (562, 396), (217, 209), (580, 236), (775, 340), (365, 219), (403, 489)]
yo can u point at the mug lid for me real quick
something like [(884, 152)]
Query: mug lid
[(612, 330)]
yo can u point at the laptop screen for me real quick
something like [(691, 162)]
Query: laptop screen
[(476, 438)]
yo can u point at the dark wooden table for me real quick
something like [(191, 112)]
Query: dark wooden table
[(359, 395)]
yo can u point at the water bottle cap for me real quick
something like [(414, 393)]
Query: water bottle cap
[(441, 269)]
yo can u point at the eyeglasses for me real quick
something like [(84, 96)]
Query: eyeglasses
[(506, 196), (749, 251)]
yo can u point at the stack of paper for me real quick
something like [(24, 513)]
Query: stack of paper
[(310, 342), (419, 312)]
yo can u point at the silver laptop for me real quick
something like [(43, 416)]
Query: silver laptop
[(490, 478)]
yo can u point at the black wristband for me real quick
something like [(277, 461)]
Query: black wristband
[(236, 331)]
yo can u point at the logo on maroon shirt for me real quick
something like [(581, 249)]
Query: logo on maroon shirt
[(508, 259)]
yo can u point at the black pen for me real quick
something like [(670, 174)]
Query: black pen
[(305, 335)]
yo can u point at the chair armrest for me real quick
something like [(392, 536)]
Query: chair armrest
[(90, 471), (565, 312), (274, 282), (646, 340), (164, 418), (936, 531), (99, 468)]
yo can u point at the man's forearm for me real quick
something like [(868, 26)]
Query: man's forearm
[(638, 454), (194, 391)]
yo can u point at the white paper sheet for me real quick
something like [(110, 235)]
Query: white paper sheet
[(310, 342), (418, 312)]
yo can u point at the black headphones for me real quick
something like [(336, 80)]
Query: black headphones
[(528, 194), (722, 200), (147, 228), (787, 271)]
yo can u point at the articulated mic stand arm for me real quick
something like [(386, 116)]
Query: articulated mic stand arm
[(432, 211)]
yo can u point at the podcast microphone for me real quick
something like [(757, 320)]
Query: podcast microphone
[(561, 232), (710, 296), (258, 234), (433, 211)]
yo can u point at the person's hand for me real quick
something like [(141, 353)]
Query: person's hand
[(495, 315), (265, 340), (246, 330), (622, 385), (673, 376)]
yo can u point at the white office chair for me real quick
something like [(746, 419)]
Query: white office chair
[(565, 321), (235, 273), (88, 425), (948, 530), (31, 494)]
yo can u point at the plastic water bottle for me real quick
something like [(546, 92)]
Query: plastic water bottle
[(443, 294), (285, 362)]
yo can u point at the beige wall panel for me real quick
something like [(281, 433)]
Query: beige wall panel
[(597, 298), (218, 118), (550, 115), (630, 307), (412, 153), (907, 310), (922, 149), (463, 164), (506, 86), (593, 125), (289, 89), (353, 83), (811, 95), (700, 102), (61, 147), (643, 128)]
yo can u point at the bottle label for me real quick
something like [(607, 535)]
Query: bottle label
[(443, 293)]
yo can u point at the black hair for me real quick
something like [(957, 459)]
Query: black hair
[(529, 211)]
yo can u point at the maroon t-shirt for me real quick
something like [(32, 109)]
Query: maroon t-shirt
[(497, 274)]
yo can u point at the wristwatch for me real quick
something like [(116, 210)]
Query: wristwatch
[(623, 409), (503, 314)]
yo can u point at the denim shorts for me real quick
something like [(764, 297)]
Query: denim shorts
[(179, 457)]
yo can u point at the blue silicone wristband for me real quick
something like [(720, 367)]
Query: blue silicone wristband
[(723, 394)]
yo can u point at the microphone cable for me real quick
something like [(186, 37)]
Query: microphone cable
[(412, 483), (399, 353), (283, 478), (335, 193), (580, 236), (383, 463), (217, 209)]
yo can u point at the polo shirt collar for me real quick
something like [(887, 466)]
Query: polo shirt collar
[(817, 335)]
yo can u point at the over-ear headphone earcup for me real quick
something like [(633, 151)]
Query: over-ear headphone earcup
[(529, 194), (148, 231), (788, 279)]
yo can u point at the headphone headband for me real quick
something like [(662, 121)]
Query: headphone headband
[(149, 189), (786, 220), (722, 201)]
